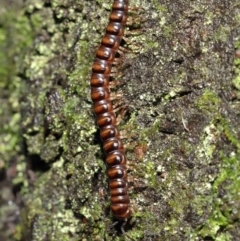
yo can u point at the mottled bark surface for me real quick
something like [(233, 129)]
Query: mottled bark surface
[(179, 82)]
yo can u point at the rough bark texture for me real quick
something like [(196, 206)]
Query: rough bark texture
[(180, 86)]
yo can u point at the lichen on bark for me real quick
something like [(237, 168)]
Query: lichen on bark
[(179, 85)]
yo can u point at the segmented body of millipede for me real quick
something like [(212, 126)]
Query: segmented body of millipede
[(103, 108)]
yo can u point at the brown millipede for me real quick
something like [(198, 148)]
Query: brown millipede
[(103, 109)]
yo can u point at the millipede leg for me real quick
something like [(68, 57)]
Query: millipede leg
[(121, 114)]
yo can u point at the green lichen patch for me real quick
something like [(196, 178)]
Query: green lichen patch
[(236, 79), (225, 192), (44, 215), (15, 38)]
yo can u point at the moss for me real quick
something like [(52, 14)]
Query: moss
[(62, 127), (236, 79), (45, 209), (225, 189), (225, 204), (15, 37), (208, 102)]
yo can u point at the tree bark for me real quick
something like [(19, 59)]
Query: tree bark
[(177, 84)]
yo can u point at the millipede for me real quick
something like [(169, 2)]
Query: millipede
[(103, 109)]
